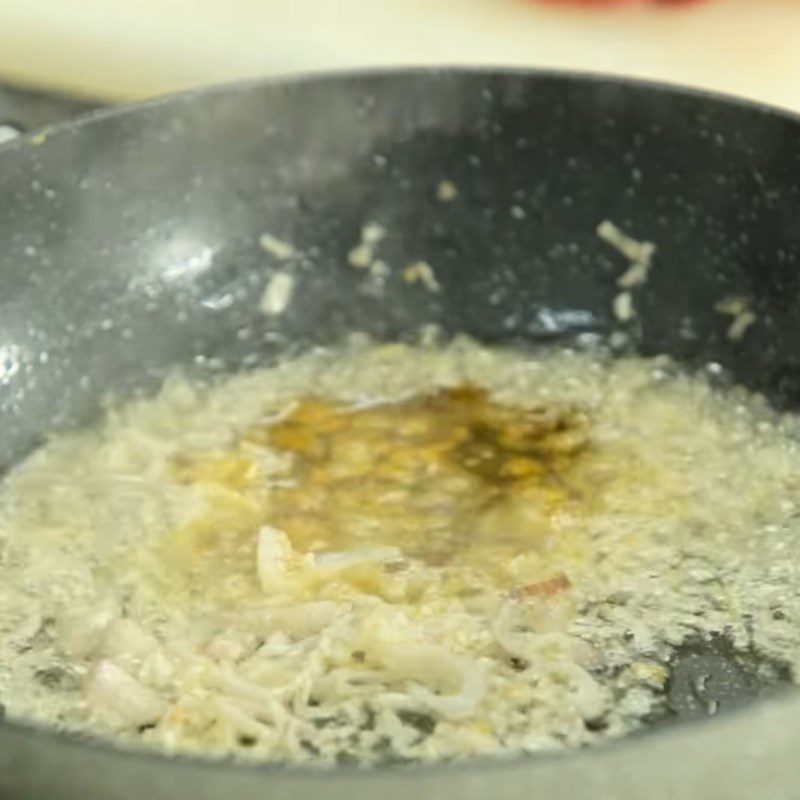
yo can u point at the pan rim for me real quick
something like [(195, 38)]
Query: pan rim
[(39, 136)]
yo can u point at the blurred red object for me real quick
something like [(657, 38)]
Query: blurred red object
[(620, 2)]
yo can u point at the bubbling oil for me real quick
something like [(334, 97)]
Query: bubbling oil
[(451, 478)]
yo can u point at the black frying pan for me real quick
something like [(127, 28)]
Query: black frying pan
[(130, 245)]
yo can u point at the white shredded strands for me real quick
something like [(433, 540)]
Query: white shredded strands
[(277, 294), (183, 612)]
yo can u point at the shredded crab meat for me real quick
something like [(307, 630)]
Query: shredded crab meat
[(274, 559), (121, 701), (339, 560), (535, 619), (82, 634), (299, 620), (451, 685), (126, 641), (243, 723), (231, 645)]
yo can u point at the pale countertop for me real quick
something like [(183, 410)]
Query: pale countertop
[(123, 49)]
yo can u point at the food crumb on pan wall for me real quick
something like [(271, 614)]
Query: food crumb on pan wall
[(742, 316), (421, 272), (362, 254), (446, 191), (277, 294), (281, 250), (638, 252), (624, 310)]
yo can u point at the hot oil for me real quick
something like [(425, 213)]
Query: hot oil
[(453, 479), (424, 475), (557, 535)]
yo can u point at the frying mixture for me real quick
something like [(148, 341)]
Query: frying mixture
[(390, 553)]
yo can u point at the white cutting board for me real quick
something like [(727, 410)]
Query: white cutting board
[(134, 48)]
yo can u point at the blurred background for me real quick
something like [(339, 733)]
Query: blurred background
[(109, 50)]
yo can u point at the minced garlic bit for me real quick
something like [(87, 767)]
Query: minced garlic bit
[(635, 251), (732, 306), (362, 255), (281, 250), (277, 294), (380, 269), (743, 317), (740, 325), (421, 272), (623, 307), (372, 233), (635, 275), (446, 191)]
